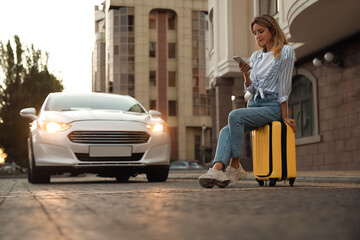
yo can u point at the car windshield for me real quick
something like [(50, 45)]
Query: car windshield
[(59, 102)]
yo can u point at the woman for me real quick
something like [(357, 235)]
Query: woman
[(269, 81)]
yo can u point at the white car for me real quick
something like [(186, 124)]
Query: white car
[(108, 134)]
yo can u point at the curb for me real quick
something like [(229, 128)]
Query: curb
[(250, 177), (194, 175)]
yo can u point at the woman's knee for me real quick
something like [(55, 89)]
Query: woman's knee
[(236, 115), (224, 130)]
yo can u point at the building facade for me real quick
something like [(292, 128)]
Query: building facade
[(155, 51), (325, 99), (98, 56)]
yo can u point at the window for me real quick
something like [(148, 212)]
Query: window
[(131, 85), (171, 16), (121, 58), (172, 79), (152, 20), (152, 79), (270, 7), (201, 104), (131, 49), (172, 50), (131, 20), (172, 108), (152, 49), (116, 50), (116, 20), (302, 106), (152, 105)]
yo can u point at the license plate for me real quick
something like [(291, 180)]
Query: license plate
[(110, 151)]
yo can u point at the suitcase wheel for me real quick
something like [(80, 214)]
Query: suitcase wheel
[(261, 182), (291, 181), (272, 182)]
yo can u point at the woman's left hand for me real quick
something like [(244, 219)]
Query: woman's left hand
[(291, 122)]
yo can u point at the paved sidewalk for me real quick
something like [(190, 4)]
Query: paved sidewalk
[(304, 176)]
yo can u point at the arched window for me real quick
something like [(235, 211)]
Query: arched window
[(302, 107)]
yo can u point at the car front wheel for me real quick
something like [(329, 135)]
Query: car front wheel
[(34, 174), (157, 174)]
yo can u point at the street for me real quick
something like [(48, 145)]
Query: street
[(100, 208)]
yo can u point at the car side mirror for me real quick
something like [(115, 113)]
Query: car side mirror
[(29, 113), (155, 114)]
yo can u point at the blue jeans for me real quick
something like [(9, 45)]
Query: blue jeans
[(243, 120)]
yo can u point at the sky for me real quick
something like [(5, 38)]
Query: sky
[(63, 28)]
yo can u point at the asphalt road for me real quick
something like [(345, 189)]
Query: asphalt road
[(99, 208)]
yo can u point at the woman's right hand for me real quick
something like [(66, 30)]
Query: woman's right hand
[(244, 68)]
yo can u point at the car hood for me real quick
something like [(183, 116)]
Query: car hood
[(95, 115)]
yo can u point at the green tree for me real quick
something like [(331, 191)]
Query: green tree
[(27, 82)]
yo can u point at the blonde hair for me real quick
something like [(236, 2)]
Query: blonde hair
[(274, 28)]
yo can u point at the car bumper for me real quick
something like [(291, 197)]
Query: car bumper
[(57, 150)]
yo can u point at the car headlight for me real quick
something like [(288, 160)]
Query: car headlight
[(157, 127), (53, 127)]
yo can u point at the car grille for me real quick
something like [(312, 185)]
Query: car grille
[(86, 157), (113, 137)]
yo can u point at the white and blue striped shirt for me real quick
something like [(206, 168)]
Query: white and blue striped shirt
[(279, 77)]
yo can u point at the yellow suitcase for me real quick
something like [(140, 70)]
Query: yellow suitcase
[(274, 156)]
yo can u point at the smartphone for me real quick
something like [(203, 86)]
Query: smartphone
[(239, 59)]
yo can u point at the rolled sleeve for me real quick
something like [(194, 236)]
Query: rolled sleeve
[(250, 88), (287, 67)]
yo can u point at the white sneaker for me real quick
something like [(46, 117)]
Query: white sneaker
[(214, 177), (235, 174)]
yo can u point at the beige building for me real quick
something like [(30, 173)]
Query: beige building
[(98, 56), (325, 99), (156, 51)]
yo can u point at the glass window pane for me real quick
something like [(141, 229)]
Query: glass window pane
[(123, 29), (172, 79), (171, 50), (152, 105), (296, 109), (195, 52), (131, 20), (152, 49), (301, 106), (152, 78), (306, 88), (116, 20), (172, 108), (123, 49), (116, 50), (273, 7), (263, 6), (122, 10), (195, 24), (124, 20), (196, 110), (152, 21), (171, 21), (307, 118)]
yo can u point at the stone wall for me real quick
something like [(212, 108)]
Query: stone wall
[(339, 112)]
